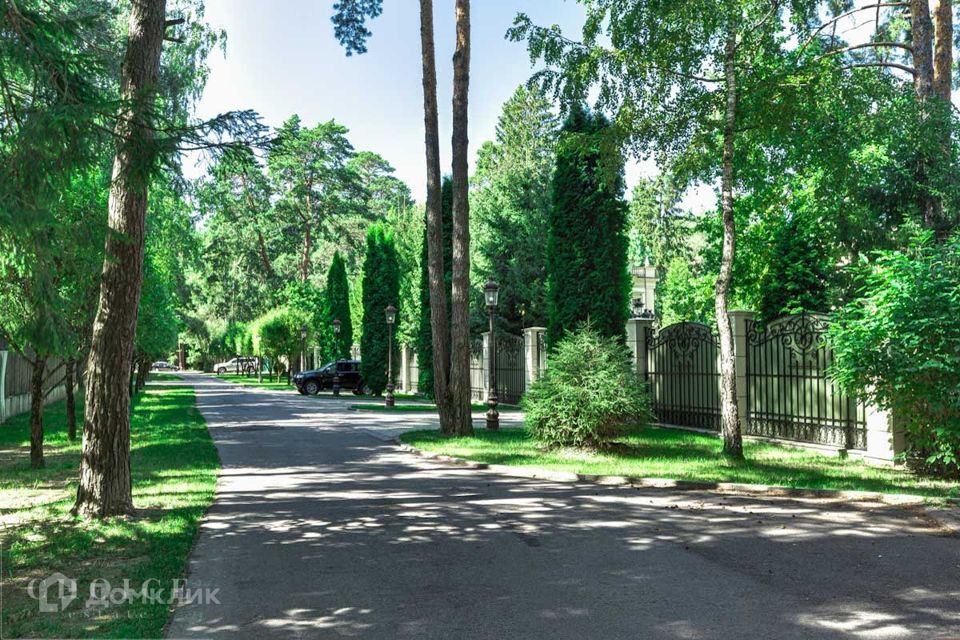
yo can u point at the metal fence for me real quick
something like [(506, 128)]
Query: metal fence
[(789, 394), (683, 374), (478, 378), (511, 374)]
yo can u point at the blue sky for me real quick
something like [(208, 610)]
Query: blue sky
[(282, 59)]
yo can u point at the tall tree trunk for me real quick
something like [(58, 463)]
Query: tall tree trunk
[(462, 421), (37, 372), (730, 412), (439, 326), (307, 247), (105, 485), (143, 366), (943, 50), (922, 33), (69, 381)]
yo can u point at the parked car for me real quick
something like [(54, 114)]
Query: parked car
[(316, 380), (163, 365), (243, 364)]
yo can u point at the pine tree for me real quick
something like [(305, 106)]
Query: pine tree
[(799, 269), (587, 277), (338, 306), (381, 288), (425, 335)]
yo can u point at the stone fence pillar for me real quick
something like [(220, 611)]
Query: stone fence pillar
[(533, 358), (637, 330), (405, 368), (738, 322)]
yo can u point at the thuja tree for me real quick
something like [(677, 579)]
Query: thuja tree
[(338, 307), (587, 278), (425, 382), (381, 288)]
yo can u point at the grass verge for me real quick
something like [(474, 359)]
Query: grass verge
[(421, 408), (268, 383), (174, 465), (683, 455)]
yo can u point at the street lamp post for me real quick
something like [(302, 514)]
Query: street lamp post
[(391, 313), (336, 360), (491, 292)]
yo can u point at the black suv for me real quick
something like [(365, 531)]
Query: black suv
[(312, 382)]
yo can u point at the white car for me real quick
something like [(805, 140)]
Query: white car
[(242, 364)]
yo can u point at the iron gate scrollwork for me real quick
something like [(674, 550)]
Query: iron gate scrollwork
[(789, 394), (684, 376), (511, 374)]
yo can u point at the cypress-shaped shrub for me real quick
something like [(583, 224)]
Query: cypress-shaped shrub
[(589, 395), (381, 288), (587, 245), (337, 297)]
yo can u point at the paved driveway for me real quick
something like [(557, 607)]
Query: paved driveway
[(323, 529)]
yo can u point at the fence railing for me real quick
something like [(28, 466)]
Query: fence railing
[(784, 390), (15, 383)]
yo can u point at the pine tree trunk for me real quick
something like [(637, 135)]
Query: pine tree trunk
[(143, 366), (39, 366), (730, 412), (105, 484), (440, 328), (943, 51), (69, 382), (922, 32), (462, 421)]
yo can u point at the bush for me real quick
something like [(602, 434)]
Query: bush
[(588, 395), (898, 345)]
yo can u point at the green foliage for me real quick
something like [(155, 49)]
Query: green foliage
[(381, 288), (425, 333), (587, 241), (798, 273), (588, 396), (683, 296), (509, 211), (276, 335), (898, 344), (338, 308), (157, 323)]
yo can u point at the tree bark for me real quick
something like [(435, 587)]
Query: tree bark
[(37, 372), (922, 34), (143, 366), (439, 326), (730, 412), (69, 381), (105, 484), (461, 419), (307, 246), (943, 50)]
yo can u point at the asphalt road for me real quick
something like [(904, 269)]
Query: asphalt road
[(323, 529)]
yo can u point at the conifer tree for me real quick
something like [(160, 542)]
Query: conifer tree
[(381, 288), (338, 307), (587, 277)]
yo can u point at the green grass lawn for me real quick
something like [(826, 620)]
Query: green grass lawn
[(684, 455), (424, 407), (268, 382), (174, 465)]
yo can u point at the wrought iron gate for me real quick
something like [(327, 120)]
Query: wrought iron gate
[(511, 376), (789, 395), (684, 377)]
